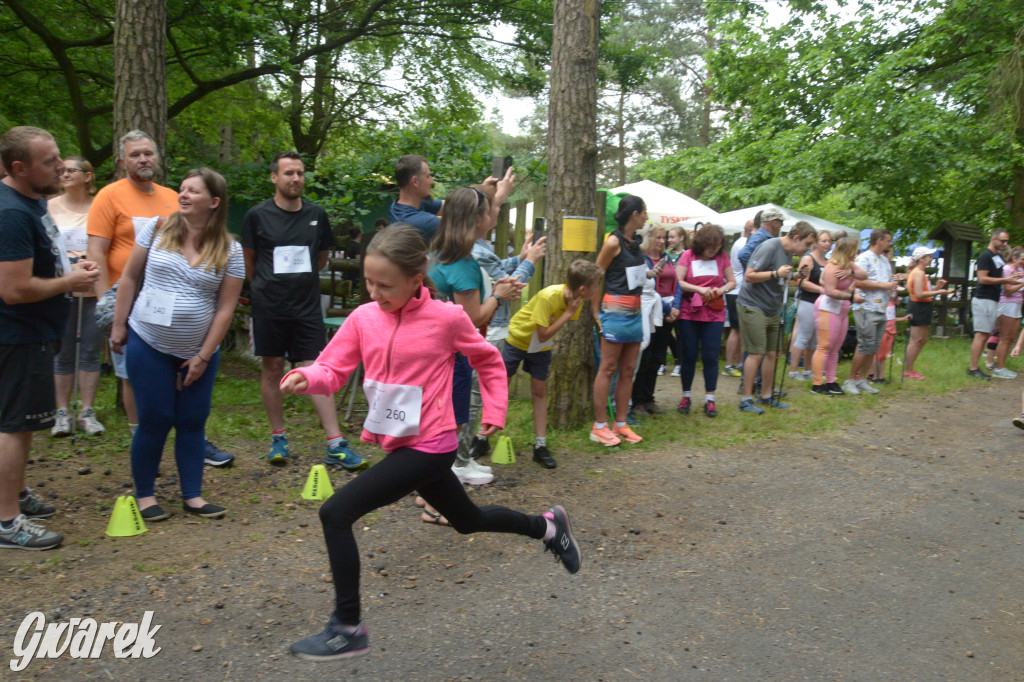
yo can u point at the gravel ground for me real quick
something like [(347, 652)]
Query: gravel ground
[(891, 551)]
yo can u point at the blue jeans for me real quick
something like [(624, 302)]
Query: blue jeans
[(704, 338), (161, 406)]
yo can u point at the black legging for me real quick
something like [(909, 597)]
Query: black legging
[(403, 471), (651, 359)]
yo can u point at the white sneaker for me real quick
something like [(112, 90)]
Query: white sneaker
[(661, 371), (798, 376), (866, 387), (89, 424), (990, 366), (1004, 373), (62, 425), (470, 476), (480, 467), (676, 371), (851, 387), (807, 375)]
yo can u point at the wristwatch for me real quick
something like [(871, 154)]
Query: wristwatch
[(495, 296)]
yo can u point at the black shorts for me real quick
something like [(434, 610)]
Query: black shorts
[(296, 340), (27, 398), (536, 364), (922, 313), (730, 307)]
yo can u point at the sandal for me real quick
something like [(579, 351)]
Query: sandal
[(436, 519)]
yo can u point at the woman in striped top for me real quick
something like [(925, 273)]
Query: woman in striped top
[(193, 275)]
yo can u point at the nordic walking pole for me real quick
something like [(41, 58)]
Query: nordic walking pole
[(74, 381), (905, 346), (782, 332)]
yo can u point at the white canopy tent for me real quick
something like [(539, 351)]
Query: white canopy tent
[(733, 221), (665, 207)]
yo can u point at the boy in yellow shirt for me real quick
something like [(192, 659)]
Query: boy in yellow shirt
[(529, 341)]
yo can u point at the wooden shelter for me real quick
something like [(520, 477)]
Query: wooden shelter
[(957, 255)]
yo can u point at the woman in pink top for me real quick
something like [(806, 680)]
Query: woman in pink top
[(406, 342), (832, 314), (1009, 312), (705, 274)]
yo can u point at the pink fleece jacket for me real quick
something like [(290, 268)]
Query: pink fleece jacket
[(415, 346)]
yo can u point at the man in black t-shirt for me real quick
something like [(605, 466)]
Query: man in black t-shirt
[(33, 312), (985, 303), (286, 241)]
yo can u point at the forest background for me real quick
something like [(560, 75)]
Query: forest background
[(899, 114)]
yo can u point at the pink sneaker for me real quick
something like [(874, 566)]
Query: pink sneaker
[(912, 375), (604, 436)]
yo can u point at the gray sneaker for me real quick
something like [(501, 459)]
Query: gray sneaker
[(62, 423), (1004, 373), (88, 423), (27, 534), (866, 387), (851, 387), (332, 643), (34, 508)]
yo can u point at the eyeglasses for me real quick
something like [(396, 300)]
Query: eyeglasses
[(1004, 241), (72, 170)]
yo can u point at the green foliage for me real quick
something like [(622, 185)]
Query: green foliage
[(895, 103)]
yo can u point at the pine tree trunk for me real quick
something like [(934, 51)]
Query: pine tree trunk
[(572, 190), (140, 95)]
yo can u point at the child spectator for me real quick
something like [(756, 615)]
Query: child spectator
[(529, 341)]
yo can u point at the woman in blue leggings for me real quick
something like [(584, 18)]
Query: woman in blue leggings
[(193, 275), (705, 275)]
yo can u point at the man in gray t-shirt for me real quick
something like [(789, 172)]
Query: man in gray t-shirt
[(759, 305)]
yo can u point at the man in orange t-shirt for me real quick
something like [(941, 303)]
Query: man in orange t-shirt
[(118, 209)]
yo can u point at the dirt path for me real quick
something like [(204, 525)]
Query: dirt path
[(889, 551)]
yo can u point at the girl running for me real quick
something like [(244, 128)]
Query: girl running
[(407, 343)]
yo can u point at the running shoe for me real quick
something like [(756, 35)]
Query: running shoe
[(626, 434), (62, 423), (216, 457), (278, 454), (25, 533), (676, 371), (342, 455), (479, 448), (865, 387), (978, 374), (990, 366), (709, 408), (1003, 373), (88, 423), (470, 476), (684, 406), (772, 402), (563, 544), (807, 375), (34, 508), (542, 457), (1019, 422), (333, 643), (834, 388), (732, 371), (661, 371), (912, 375), (820, 389), (797, 376), (480, 467), (747, 405), (851, 386), (604, 436), (653, 408)]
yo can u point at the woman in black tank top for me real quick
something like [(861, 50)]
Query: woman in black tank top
[(619, 321)]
